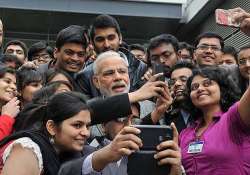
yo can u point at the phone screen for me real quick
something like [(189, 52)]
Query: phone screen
[(158, 68), (224, 17), (152, 135)]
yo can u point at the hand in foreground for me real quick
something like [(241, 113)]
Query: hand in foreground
[(150, 89), (169, 153), (148, 74), (163, 103), (12, 108), (125, 143), (241, 16)]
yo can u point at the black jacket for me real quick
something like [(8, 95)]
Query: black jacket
[(136, 70)]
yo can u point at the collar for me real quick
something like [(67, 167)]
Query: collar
[(216, 117)]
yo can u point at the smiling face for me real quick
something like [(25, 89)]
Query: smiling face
[(70, 57), (204, 92), (106, 39), (72, 133), (244, 63), (29, 90), (7, 87), (178, 82), (112, 77), (208, 51), (16, 50)]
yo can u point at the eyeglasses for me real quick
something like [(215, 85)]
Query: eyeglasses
[(244, 61), (205, 47), (205, 83), (43, 57), (163, 56), (134, 120), (183, 79)]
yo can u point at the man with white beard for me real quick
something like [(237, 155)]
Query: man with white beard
[(111, 77)]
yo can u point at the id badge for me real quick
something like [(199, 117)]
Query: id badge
[(195, 147)]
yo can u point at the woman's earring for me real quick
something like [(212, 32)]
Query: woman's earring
[(52, 140)]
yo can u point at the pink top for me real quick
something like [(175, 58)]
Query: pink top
[(226, 148)]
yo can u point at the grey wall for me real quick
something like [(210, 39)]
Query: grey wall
[(208, 24)]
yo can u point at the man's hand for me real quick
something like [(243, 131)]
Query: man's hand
[(241, 16), (147, 91), (12, 108), (163, 103), (148, 74), (169, 153), (125, 143)]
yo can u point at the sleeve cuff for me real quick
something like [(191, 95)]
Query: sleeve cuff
[(87, 166)]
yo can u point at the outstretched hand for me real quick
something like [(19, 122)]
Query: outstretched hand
[(169, 153), (148, 90), (241, 16), (163, 103)]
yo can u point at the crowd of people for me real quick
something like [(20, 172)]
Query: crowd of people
[(71, 109)]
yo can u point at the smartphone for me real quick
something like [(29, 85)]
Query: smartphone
[(153, 135), (143, 162), (158, 68), (224, 17)]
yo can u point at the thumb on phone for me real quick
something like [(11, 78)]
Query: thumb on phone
[(175, 133)]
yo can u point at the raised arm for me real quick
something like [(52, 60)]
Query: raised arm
[(125, 143), (244, 107), (243, 17)]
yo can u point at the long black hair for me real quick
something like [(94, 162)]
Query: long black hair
[(228, 88), (46, 105)]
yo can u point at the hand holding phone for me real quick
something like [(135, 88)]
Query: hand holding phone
[(153, 135), (158, 68), (156, 162), (225, 18)]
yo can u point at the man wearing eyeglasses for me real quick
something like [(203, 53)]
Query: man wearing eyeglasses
[(105, 35), (177, 112), (244, 67), (163, 50), (208, 49), (111, 78)]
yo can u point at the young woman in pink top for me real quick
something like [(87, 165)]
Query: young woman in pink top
[(218, 142)]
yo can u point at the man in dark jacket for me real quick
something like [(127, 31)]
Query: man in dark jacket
[(177, 113), (105, 35)]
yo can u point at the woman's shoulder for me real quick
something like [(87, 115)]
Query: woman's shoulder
[(25, 143)]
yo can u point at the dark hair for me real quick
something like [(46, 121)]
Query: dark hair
[(4, 69), (18, 43), (104, 21), (47, 106), (228, 89), (57, 84), (60, 106), (231, 51), (185, 45), (5, 58), (209, 35), (51, 73), (72, 34), (182, 64), (244, 47), (27, 75), (38, 47), (163, 38), (137, 47)]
